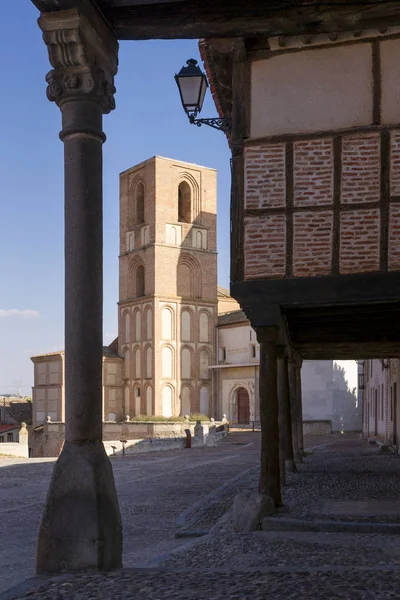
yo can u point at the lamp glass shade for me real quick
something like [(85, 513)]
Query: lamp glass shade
[(192, 84)]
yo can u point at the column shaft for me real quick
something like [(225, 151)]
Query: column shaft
[(270, 476), (83, 165), (285, 425), (299, 410), (293, 409)]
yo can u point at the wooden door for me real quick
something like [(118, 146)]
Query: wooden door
[(243, 406)]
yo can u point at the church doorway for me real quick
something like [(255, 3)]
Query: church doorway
[(243, 406)]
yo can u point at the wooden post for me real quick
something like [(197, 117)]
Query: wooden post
[(285, 424), (270, 473), (299, 407), (293, 408)]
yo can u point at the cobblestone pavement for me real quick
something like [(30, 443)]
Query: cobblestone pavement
[(287, 565), (153, 489)]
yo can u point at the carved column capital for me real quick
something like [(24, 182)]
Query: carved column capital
[(83, 52)]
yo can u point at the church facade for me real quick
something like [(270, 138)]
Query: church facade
[(167, 310)]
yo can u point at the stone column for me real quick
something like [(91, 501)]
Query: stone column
[(299, 407), (286, 457), (293, 408), (81, 524), (270, 473)]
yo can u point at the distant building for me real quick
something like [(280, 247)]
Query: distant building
[(13, 412), (381, 400)]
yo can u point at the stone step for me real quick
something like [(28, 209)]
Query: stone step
[(326, 525)]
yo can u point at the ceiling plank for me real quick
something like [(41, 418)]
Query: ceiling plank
[(232, 18)]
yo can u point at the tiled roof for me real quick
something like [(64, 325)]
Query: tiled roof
[(21, 411), (232, 318), (222, 292), (48, 354), (7, 427), (109, 351)]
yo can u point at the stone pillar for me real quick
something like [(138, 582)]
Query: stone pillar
[(286, 457), (81, 524), (270, 473), (293, 408), (299, 407)]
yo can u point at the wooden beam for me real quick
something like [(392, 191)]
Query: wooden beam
[(238, 18)]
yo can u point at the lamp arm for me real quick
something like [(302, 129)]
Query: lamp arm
[(220, 123)]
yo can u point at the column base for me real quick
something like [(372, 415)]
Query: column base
[(290, 466), (81, 524)]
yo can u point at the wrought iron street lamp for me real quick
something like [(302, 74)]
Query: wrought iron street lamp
[(192, 85)]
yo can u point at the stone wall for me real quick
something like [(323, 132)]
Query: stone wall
[(48, 439), (317, 427), (19, 449)]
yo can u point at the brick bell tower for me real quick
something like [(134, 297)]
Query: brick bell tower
[(168, 287)]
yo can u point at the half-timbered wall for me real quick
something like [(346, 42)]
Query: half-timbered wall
[(322, 165)]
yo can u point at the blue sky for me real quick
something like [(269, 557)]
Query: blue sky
[(148, 120)]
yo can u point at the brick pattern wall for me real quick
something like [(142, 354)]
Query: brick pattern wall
[(361, 168), (395, 163), (318, 202), (394, 237), (359, 241), (265, 176), (313, 172), (264, 246), (312, 243)]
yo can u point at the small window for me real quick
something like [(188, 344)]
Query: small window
[(222, 354), (140, 281), (137, 392), (253, 351), (10, 437), (184, 203), (1, 439), (140, 203)]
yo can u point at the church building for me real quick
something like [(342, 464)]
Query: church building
[(167, 310)]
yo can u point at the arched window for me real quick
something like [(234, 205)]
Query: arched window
[(140, 281), (127, 357), (137, 364), (166, 324), (136, 395), (186, 364), (127, 403), (184, 203), (149, 401), (185, 401), (204, 362), (186, 326), (184, 280), (149, 324), (138, 324), (148, 362), (167, 401), (199, 239), (111, 417), (167, 365), (140, 203), (204, 334), (127, 328), (173, 236), (204, 400)]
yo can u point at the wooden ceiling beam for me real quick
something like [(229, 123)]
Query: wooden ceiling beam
[(247, 18)]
